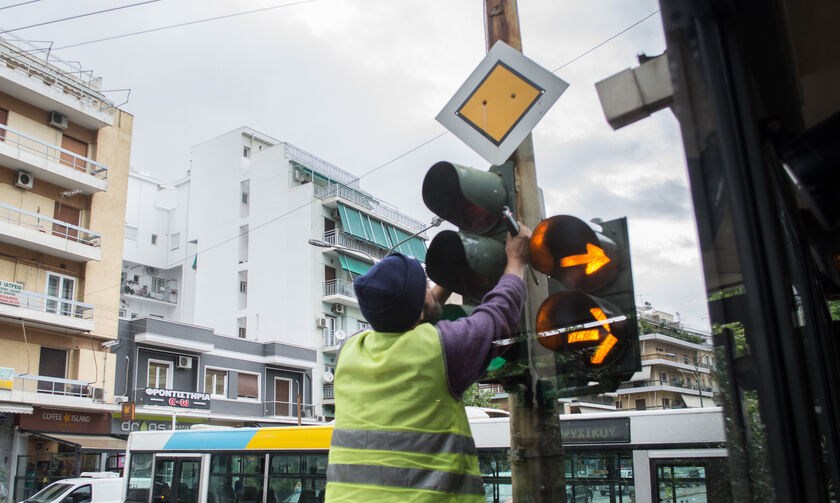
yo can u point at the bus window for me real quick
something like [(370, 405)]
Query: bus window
[(677, 483), (139, 478), (236, 477), (296, 479)]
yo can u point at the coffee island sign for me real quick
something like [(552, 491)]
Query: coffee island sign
[(179, 399)]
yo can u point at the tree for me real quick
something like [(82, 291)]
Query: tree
[(476, 397)]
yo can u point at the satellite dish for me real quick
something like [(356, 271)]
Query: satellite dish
[(328, 377), (340, 335)]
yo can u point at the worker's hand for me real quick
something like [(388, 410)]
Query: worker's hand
[(516, 249)]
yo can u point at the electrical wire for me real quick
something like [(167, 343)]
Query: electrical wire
[(187, 23), (78, 16), (19, 4), (622, 32)]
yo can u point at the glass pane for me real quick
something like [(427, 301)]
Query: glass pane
[(285, 463), (188, 481), (316, 465), (139, 477), (162, 483)]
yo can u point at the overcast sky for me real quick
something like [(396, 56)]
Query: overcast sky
[(359, 83)]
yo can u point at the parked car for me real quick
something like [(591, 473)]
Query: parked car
[(93, 487)]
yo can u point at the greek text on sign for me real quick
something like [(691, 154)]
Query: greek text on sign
[(501, 102), (10, 292), (180, 399)]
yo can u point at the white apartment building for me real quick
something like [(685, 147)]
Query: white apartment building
[(227, 248)]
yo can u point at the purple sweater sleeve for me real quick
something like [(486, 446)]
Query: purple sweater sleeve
[(468, 342)]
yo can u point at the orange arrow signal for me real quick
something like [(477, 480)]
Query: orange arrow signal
[(594, 258), (592, 335)]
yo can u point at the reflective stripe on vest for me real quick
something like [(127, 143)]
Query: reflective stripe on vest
[(428, 443), (413, 478)]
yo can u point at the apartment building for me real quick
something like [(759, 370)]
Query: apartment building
[(224, 294), (677, 367), (64, 157)]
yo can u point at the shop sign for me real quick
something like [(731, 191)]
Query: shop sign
[(10, 292), (596, 431), (124, 426), (179, 399), (64, 421), (7, 376)]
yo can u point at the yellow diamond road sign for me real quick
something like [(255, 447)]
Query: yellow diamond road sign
[(500, 102)]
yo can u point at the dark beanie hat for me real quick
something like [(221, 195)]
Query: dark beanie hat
[(392, 293)]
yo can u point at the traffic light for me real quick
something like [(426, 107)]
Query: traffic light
[(589, 318), (471, 260)]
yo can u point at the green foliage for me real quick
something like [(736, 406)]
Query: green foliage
[(649, 327), (834, 309), (475, 397)]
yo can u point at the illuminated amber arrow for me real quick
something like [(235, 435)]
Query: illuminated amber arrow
[(594, 258), (592, 335)]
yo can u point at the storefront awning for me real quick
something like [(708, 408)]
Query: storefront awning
[(353, 265), (692, 401), (87, 442), (13, 408)]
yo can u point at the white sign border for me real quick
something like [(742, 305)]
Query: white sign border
[(553, 87)]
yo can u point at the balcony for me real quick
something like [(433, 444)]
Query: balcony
[(165, 295), (48, 310), (329, 392), (290, 409), (51, 87), (341, 291), (51, 163), (53, 392), (329, 194), (674, 385), (674, 361), (345, 241), (37, 232)]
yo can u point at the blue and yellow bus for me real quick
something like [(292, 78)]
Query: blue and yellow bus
[(623, 456)]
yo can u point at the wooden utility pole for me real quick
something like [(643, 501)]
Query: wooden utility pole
[(538, 471)]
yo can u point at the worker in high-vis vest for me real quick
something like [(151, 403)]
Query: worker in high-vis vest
[(401, 432)]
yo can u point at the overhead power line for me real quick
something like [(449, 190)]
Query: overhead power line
[(187, 23), (79, 16), (18, 4), (622, 32)]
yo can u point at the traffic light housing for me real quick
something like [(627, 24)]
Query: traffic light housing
[(588, 321), (471, 260), (589, 318)]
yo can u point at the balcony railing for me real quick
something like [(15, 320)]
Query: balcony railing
[(321, 166), (55, 386), (51, 75), (50, 304), (52, 152), (700, 366), (677, 383), (329, 392), (339, 287), (289, 409), (342, 240), (601, 400), (38, 222), (169, 295), (369, 202)]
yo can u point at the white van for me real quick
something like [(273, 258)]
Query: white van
[(94, 487)]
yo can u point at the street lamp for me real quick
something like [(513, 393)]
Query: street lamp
[(323, 244)]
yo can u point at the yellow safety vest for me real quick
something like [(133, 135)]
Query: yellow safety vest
[(399, 433)]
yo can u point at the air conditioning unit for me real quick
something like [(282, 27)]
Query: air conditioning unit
[(24, 180), (185, 362), (58, 120), (338, 308), (98, 394), (149, 269), (335, 214), (321, 322)]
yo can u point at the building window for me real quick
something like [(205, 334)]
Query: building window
[(362, 325), (666, 403), (248, 386), (246, 151), (243, 287), (154, 239), (60, 290), (159, 375), (244, 198), (640, 404), (242, 332), (215, 382), (175, 241)]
